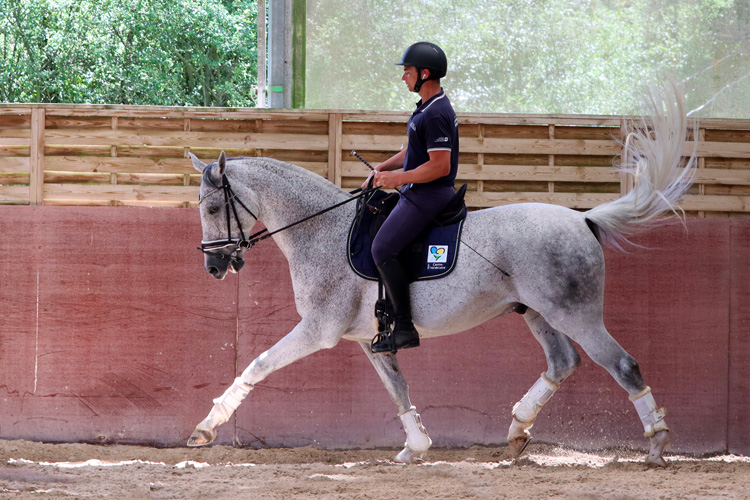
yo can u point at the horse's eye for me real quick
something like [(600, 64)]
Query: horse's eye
[(213, 210)]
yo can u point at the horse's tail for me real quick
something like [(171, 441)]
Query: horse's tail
[(654, 159)]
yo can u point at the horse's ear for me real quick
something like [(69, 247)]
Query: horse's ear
[(197, 164), (222, 163)]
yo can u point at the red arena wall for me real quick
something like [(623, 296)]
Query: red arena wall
[(111, 331)]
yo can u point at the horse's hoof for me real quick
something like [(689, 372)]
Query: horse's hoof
[(201, 437), (518, 445), (658, 442), (408, 456)]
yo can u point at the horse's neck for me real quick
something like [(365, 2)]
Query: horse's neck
[(286, 194)]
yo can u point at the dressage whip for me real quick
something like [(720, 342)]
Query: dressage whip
[(435, 221)]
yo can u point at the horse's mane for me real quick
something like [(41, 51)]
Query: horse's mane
[(312, 179)]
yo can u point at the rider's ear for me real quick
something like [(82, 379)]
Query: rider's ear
[(197, 164), (222, 163)]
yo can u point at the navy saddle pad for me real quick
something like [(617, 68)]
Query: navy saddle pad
[(432, 255)]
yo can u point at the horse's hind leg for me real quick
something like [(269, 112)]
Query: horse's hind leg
[(562, 360), (607, 353), (417, 440)]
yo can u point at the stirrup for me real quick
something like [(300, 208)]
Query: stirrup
[(383, 342), (386, 341)]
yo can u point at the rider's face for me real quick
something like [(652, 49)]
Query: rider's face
[(410, 77)]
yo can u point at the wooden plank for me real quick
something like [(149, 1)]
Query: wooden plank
[(495, 145), (539, 173), (722, 176), (15, 122), (51, 176), (36, 160), (14, 194), (6, 109), (14, 164), (721, 149), (506, 131), (127, 165), (15, 135), (716, 203), (723, 190), (120, 192), (119, 164), (196, 113), (186, 139), (570, 200), (78, 122), (14, 178), (541, 146), (513, 173)]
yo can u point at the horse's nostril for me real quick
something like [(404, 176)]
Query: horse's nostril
[(213, 271)]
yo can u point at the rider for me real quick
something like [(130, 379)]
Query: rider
[(430, 163)]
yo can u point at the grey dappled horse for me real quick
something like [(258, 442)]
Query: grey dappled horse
[(553, 256)]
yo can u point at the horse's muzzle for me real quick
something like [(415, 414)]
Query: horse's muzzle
[(218, 265)]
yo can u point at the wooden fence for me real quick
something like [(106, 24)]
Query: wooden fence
[(136, 155)]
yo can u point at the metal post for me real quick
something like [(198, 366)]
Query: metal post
[(261, 21), (280, 53)]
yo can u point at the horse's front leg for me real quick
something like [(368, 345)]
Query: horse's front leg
[(417, 440), (306, 338)]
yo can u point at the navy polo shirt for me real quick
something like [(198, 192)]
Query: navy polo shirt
[(433, 127)]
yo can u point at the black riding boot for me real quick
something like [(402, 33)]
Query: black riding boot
[(396, 284)]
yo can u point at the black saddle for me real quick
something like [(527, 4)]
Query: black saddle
[(420, 256)]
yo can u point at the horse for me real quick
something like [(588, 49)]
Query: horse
[(543, 261)]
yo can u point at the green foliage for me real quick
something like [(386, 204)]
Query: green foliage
[(533, 56), (156, 52)]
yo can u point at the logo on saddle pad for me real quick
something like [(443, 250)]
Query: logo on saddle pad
[(437, 257)]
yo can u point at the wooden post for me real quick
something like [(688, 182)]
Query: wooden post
[(701, 164), (335, 126), (480, 159), (36, 167), (551, 159), (626, 180), (187, 127), (113, 153)]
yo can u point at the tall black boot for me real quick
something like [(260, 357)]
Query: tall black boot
[(396, 284)]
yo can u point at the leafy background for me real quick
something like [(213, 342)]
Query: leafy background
[(508, 56), (157, 52)]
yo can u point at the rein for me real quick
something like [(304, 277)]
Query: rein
[(212, 247)]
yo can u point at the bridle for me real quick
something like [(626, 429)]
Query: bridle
[(228, 248), (234, 249)]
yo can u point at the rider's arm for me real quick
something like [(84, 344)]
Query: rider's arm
[(395, 162), (439, 165)]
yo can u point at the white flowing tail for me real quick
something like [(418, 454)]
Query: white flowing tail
[(655, 160)]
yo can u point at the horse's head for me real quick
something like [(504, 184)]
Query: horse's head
[(224, 242)]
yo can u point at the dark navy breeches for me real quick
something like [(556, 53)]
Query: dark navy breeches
[(414, 211)]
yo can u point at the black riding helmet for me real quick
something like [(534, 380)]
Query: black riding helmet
[(425, 55)]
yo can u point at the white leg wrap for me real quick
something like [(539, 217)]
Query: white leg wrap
[(526, 410), (651, 416), (227, 403), (416, 435)]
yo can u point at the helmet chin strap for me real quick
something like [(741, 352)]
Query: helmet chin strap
[(420, 81)]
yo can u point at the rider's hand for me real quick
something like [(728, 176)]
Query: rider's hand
[(387, 180), (367, 181)]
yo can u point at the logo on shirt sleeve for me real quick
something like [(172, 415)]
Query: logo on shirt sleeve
[(442, 139)]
